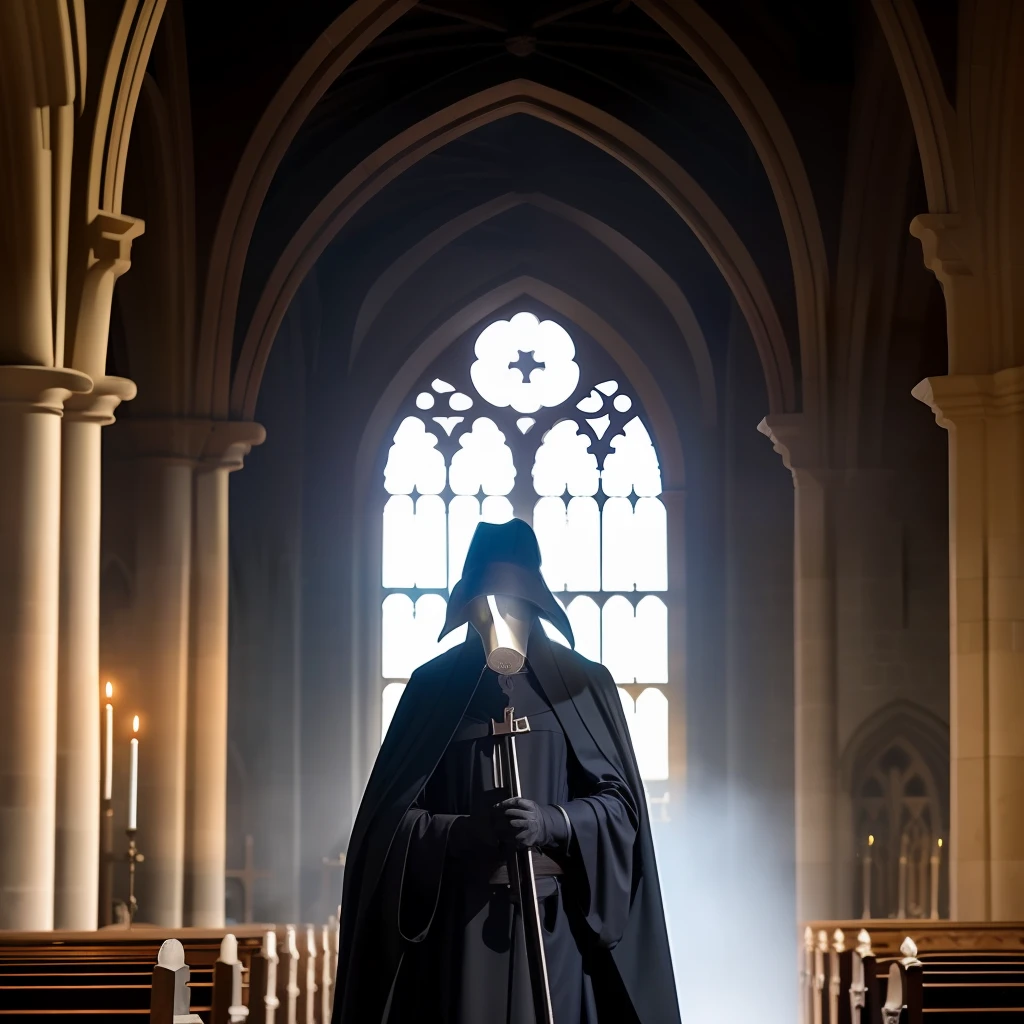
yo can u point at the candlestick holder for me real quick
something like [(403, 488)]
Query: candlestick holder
[(107, 859), (133, 857)]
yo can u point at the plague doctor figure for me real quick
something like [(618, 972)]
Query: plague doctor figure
[(433, 926)]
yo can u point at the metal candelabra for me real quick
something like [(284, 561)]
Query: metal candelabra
[(134, 857)]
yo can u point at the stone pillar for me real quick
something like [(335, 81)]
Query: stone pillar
[(166, 452), (814, 685), (31, 400), (984, 414), (206, 816), (79, 701)]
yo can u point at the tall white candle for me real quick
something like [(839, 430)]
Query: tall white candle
[(866, 912), (901, 911), (108, 751), (133, 785), (935, 861)]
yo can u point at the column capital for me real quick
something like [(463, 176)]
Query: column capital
[(110, 239), (228, 443), (946, 242), (99, 404), (44, 387), (959, 398), (798, 440), (207, 444)]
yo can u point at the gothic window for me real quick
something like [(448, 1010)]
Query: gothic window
[(521, 422), (898, 822)]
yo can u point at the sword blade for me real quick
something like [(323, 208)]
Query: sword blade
[(524, 881)]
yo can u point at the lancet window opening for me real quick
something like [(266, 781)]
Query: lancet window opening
[(520, 420)]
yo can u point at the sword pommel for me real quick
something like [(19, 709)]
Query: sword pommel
[(511, 725)]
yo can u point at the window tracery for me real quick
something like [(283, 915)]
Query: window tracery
[(515, 428)]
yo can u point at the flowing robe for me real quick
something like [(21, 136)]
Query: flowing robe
[(467, 941), (426, 937)]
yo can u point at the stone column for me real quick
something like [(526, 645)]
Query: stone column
[(814, 685), (984, 414), (206, 815), (31, 400), (166, 452), (79, 701)]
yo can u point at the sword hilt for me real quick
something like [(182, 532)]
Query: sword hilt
[(511, 725)]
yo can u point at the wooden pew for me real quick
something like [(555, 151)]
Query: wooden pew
[(953, 957), (954, 988), (104, 975), (99, 976)]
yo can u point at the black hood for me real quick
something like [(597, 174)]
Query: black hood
[(504, 559)]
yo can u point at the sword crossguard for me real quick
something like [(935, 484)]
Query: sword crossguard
[(511, 725)]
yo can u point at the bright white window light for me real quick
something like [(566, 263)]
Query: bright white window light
[(583, 545), (430, 555), (617, 569), (650, 734), (551, 375), (632, 465), (550, 526), (483, 462), (388, 705), (565, 463), (650, 545), (414, 461), (650, 640), (585, 619), (398, 561), (617, 648)]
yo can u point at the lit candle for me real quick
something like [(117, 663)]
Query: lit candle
[(901, 912), (133, 785), (108, 752), (935, 861), (867, 879)]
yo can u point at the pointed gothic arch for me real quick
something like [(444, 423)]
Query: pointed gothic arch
[(644, 266), (663, 174)]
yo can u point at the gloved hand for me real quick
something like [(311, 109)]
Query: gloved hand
[(472, 835), (524, 823)]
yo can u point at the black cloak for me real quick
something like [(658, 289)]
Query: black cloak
[(628, 952)]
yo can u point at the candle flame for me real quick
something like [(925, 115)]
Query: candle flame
[(109, 690), (871, 840), (135, 724), (940, 844)]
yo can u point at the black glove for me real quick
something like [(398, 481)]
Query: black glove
[(523, 823), (472, 836)]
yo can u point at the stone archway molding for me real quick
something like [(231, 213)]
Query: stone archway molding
[(361, 23), (647, 269), (930, 111), (386, 164), (725, 64)]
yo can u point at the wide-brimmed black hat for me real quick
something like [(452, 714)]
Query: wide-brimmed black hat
[(504, 559)]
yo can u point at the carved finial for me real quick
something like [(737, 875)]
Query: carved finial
[(823, 941), (864, 943), (270, 945), (171, 955), (310, 940), (293, 949), (228, 949), (909, 948), (809, 939), (838, 941)]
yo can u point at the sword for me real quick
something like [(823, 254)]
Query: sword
[(520, 865)]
